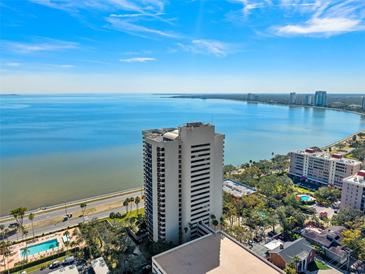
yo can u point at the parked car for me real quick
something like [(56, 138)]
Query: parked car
[(69, 260), (54, 265), (13, 225)]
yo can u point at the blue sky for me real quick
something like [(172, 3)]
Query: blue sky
[(182, 45)]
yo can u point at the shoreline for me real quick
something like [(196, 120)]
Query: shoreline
[(202, 97), (101, 197)]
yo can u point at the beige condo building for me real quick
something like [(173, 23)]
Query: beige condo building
[(353, 192), (322, 167)]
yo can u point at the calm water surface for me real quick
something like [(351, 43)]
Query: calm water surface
[(65, 147)]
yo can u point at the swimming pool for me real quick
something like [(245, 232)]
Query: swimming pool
[(305, 198), (41, 247)]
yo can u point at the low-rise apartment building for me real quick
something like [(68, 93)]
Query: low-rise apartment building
[(353, 192), (321, 167)]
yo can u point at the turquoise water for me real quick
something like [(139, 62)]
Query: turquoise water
[(35, 249), (56, 148), (305, 198)]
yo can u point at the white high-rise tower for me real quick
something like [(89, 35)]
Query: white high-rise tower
[(183, 178)]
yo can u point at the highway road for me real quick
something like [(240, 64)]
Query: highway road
[(53, 220)]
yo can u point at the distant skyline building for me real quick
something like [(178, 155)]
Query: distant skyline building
[(353, 192), (183, 180), (292, 98), (322, 167), (320, 98), (308, 100), (251, 97), (363, 103)]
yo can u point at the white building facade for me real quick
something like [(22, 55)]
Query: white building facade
[(308, 100), (321, 167), (353, 192), (183, 178)]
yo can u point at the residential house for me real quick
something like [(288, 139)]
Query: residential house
[(329, 239), (299, 252)]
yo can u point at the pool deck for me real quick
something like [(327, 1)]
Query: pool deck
[(15, 249)]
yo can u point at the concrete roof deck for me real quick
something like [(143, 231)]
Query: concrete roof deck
[(215, 253)]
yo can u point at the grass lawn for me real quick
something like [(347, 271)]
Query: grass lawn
[(317, 265), (125, 217), (302, 190), (42, 265)]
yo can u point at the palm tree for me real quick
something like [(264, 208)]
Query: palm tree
[(67, 235), (83, 208), (137, 201), (131, 200), (2, 229), (272, 220), (126, 203), (26, 249), (5, 246), (215, 223), (31, 218), (18, 214)]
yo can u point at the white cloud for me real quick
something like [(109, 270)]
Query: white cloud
[(45, 45), (249, 5), (128, 16), (204, 46), (326, 18), (138, 30), (106, 5), (138, 60), (326, 26)]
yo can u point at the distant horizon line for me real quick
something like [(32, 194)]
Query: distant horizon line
[(2, 93)]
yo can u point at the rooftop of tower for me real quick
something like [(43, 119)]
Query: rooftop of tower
[(213, 253), (169, 134)]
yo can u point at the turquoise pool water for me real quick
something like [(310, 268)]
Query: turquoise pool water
[(41, 247), (305, 198)]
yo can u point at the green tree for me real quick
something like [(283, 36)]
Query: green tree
[(131, 201), (137, 201), (215, 223), (6, 252), (18, 214), (272, 220), (327, 195), (2, 230), (31, 219), (275, 186), (353, 239), (229, 168), (349, 218), (290, 269), (83, 209), (126, 203)]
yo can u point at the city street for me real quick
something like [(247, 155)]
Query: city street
[(53, 220)]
